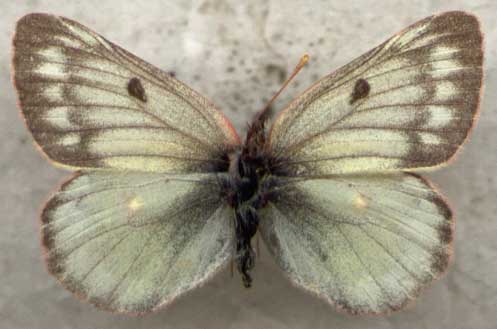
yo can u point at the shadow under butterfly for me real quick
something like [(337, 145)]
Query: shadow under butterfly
[(165, 190)]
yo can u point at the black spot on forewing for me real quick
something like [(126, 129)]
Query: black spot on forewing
[(136, 89), (361, 90)]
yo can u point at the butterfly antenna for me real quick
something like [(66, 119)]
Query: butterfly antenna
[(303, 60)]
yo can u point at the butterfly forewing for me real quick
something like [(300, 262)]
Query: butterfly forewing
[(366, 244), (407, 104), (132, 242), (91, 104)]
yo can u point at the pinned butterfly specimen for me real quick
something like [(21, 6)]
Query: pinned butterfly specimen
[(165, 193)]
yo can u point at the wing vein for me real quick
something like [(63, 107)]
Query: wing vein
[(366, 268)]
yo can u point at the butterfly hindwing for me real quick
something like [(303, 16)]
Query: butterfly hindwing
[(91, 104), (406, 104), (132, 242), (366, 244)]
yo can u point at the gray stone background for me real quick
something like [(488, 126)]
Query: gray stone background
[(237, 53)]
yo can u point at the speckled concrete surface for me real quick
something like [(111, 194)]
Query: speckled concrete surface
[(237, 54)]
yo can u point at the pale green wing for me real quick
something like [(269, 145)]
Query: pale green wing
[(406, 104), (134, 242), (364, 244), (91, 104)]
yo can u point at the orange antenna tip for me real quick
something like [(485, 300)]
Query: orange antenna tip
[(304, 59)]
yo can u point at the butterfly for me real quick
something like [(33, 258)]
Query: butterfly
[(165, 194)]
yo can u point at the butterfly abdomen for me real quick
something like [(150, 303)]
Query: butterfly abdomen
[(247, 191), (245, 199)]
